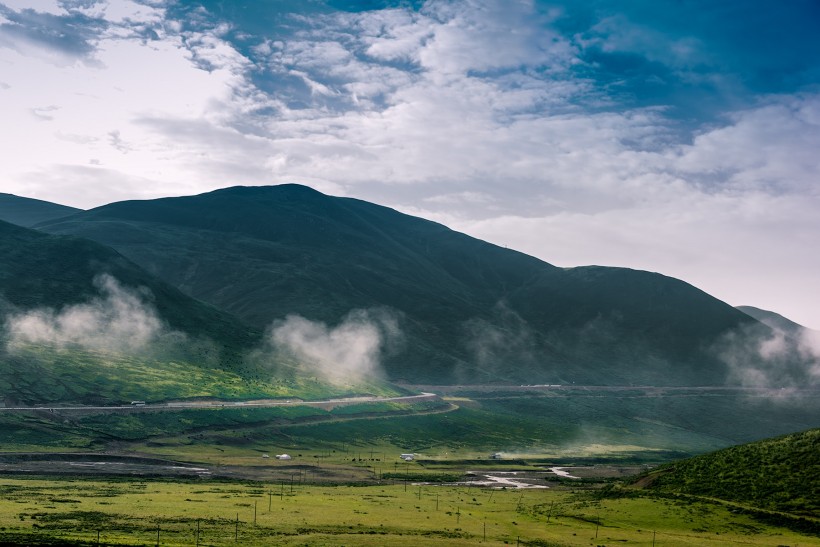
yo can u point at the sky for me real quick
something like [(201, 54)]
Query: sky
[(676, 136)]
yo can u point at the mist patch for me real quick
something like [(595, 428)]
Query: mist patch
[(349, 351), (118, 320), (772, 358)]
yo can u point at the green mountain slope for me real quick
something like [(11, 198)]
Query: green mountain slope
[(68, 336), (41, 270), (79, 323), (28, 212), (781, 474), (470, 311)]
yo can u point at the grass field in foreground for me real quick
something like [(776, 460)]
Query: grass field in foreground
[(135, 512)]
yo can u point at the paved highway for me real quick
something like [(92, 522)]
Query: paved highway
[(177, 405)]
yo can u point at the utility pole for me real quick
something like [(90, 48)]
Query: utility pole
[(597, 523), (236, 529)]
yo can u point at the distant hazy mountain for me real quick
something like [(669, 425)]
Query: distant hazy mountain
[(28, 212), (469, 311), (772, 319)]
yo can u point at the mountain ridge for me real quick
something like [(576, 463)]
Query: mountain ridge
[(468, 308)]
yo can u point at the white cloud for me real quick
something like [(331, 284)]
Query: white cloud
[(457, 198), (131, 81), (772, 147), (119, 12), (43, 6), (394, 35), (617, 33), (485, 35)]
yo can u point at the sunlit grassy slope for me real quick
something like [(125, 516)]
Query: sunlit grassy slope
[(781, 474), (43, 376), (470, 311)]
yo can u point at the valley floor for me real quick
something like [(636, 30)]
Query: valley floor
[(530, 465), (217, 512)]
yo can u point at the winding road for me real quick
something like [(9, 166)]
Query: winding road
[(213, 404)]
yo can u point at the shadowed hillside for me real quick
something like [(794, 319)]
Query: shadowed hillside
[(469, 311)]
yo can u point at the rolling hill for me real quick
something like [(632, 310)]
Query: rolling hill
[(781, 474), (469, 311)]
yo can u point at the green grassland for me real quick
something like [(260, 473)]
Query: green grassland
[(584, 429), (203, 431), (137, 512), (588, 427), (350, 488)]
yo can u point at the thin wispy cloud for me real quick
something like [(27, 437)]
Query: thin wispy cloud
[(682, 141)]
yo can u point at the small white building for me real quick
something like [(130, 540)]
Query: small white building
[(407, 457), (283, 457)]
